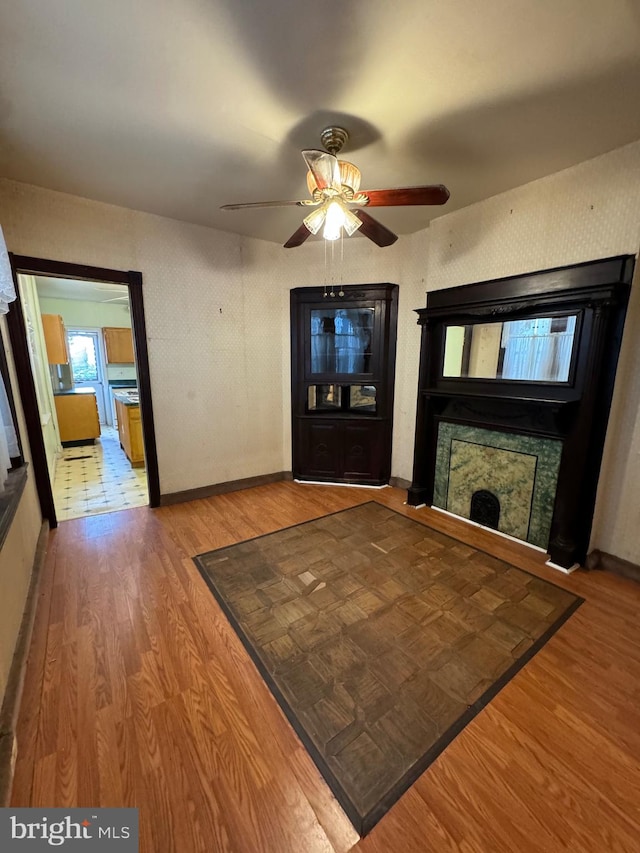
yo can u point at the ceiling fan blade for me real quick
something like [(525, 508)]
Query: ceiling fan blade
[(298, 237), (375, 230), (303, 203), (324, 168), (433, 194)]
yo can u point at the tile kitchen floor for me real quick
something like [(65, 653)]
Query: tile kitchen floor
[(95, 478)]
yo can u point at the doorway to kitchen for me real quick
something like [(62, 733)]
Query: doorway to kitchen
[(92, 468), (79, 341)]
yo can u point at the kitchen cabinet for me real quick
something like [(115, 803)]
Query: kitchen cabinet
[(118, 344), (78, 419), (342, 363), (55, 338), (130, 432)]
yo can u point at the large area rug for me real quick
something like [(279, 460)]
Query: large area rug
[(381, 639)]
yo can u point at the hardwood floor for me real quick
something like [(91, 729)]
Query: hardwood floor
[(138, 693)]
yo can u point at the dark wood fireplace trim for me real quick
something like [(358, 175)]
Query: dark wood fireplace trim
[(575, 412)]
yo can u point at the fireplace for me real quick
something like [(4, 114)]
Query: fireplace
[(506, 481), (516, 379)]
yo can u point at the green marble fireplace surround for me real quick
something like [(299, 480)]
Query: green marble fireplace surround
[(521, 471)]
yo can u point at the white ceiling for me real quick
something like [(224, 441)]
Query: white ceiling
[(179, 107), (86, 291)]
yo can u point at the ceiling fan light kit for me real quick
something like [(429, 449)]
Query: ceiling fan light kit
[(351, 222), (334, 185), (334, 215), (314, 220)]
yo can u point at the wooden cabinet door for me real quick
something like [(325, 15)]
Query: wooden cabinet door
[(123, 428), (130, 432), (136, 455), (78, 418), (120, 415), (320, 449), (362, 451), (342, 450), (118, 345), (55, 338)]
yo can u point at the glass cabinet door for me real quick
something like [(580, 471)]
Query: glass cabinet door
[(341, 340), (359, 399), (324, 398)]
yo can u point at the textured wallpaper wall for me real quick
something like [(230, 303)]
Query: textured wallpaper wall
[(217, 309), (589, 211), (214, 326)]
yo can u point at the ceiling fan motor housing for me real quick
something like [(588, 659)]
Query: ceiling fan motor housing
[(334, 139)]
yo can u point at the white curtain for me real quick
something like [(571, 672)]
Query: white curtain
[(533, 352), (350, 342), (8, 438), (7, 288), (6, 421)]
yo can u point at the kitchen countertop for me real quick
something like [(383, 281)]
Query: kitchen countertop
[(127, 397), (64, 393)]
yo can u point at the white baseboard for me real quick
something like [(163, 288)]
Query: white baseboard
[(347, 485), (489, 529), (562, 568)]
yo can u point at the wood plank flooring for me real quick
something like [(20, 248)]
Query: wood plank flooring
[(138, 693)]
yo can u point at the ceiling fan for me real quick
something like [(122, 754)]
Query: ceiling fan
[(334, 186)]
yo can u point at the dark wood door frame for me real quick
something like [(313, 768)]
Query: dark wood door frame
[(22, 264)]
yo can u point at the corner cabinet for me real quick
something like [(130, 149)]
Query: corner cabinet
[(343, 349)]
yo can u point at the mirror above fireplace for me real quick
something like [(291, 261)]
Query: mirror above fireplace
[(532, 349)]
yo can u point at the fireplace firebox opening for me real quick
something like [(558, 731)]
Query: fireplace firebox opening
[(485, 508)]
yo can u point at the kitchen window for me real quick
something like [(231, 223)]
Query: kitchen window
[(83, 355)]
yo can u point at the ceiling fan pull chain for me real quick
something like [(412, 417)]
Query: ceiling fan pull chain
[(324, 293), (332, 292)]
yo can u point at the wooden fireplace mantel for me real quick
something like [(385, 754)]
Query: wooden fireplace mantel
[(575, 412)]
